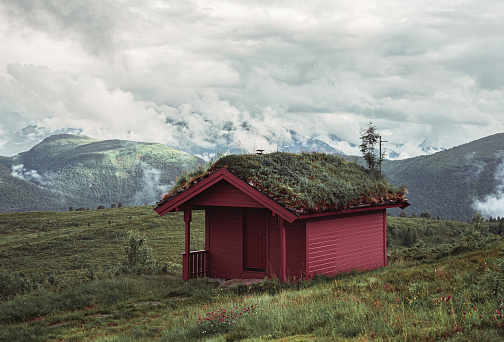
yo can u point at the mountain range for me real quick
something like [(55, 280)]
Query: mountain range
[(220, 140), (456, 182), (73, 170)]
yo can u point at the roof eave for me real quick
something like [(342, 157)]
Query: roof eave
[(179, 200), (401, 205)]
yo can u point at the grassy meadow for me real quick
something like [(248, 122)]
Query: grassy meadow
[(63, 278)]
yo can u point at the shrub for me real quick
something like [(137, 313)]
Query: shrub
[(425, 215), (138, 254)]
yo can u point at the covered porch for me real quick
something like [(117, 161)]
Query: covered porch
[(251, 253)]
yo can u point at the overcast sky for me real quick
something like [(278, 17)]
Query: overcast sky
[(183, 72)]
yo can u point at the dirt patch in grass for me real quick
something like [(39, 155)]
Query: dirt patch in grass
[(235, 282)]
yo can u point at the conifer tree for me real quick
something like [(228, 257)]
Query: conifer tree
[(370, 137), (408, 238)]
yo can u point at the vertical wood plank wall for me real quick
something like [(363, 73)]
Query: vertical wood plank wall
[(226, 236), (254, 243), (345, 243), (295, 245)]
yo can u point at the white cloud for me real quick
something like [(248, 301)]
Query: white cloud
[(151, 189), (31, 176), (493, 204), (120, 69), (3, 136)]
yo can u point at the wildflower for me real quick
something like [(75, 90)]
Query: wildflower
[(463, 312)]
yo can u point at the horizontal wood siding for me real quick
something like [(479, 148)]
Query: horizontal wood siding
[(345, 243), (225, 194), (295, 249), (226, 242)]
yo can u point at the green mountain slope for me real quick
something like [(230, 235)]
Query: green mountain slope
[(89, 172), (447, 183), (19, 195), (84, 172)]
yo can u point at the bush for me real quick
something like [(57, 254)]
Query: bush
[(138, 258), (13, 284), (425, 215)]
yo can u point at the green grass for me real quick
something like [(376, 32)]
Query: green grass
[(67, 247), (303, 183), (402, 302)]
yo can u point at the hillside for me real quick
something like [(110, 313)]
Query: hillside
[(84, 172), (63, 278), (19, 195), (447, 183)]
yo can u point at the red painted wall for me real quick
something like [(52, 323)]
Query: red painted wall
[(225, 242), (295, 249), (345, 242), (254, 238), (225, 194), (327, 245)]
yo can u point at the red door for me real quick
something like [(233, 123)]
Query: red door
[(254, 246)]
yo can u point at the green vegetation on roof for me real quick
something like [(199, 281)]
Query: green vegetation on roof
[(303, 183)]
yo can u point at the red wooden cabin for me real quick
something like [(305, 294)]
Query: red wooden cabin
[(250, 235)]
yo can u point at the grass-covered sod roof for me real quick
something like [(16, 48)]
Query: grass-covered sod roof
[(304, 183)]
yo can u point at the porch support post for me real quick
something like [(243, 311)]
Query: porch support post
[(185, 265), (283, 252), (384, 237)]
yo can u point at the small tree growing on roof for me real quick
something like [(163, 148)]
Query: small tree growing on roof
[(370, 137)]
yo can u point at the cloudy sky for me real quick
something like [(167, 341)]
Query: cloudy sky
[(219, 74)]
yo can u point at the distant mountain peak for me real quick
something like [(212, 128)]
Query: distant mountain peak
[(30, 136)]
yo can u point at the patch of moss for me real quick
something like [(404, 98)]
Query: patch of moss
[(303, 183)]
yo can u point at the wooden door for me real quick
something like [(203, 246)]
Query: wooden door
[(254, 244)]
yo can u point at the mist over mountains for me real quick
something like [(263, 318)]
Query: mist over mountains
[(73, 170), (205, 139), (457, 182)]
